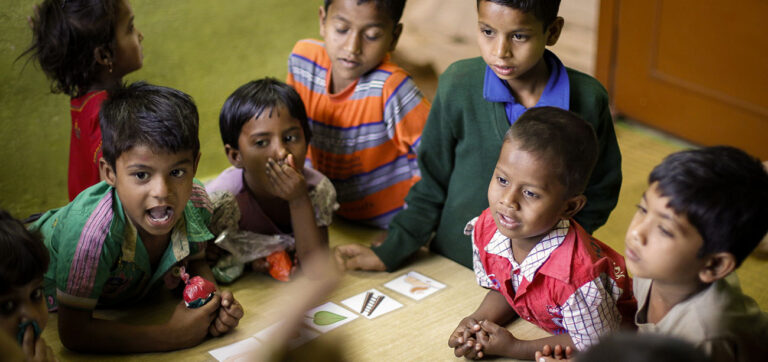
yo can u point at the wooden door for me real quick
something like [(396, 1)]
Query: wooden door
[(695, 68)]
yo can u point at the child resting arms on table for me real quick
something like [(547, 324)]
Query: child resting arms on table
[(703, 213), (122, 236), (23, 316), (268, 200), (536, 260)]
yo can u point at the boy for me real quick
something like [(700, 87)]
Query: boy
[(366, 112), (122, 236), (539, 263), (702, 214), (23, 316), (265, 132), (477, 99)]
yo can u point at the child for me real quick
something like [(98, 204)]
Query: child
[(85, 47), (265, 132), (120, 237), (539, 263), (477, 99), (367, 113), (23, 261), (703, 213)]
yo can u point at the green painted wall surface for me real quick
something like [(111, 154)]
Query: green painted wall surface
[(204, 48)]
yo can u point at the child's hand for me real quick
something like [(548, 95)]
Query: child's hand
[(463, 339), (558, 353), (35, 350), (228, 316), (189, 326), (355, 256), (286, 182), (494, 339)]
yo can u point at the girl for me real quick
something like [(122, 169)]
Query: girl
[(23, 313), (278, 204), (85, 47)]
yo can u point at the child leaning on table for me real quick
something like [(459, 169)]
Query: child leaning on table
[(134, 230), (537, 261), (85, 47), (23, 316), (477, 99), (273, 199), (703, 213), (367, 113)]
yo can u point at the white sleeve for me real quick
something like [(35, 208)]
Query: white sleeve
[(591, 311)]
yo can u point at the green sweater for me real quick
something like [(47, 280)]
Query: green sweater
[(457, 155)]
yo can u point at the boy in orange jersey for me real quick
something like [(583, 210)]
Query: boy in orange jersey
[(366, 113)]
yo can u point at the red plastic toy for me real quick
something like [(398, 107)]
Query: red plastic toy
[(280, 265), (197, 291)]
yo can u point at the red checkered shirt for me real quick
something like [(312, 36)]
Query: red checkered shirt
[(569, 283)]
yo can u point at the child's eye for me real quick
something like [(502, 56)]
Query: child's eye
[(261, 143), (502, 181), (487, 32), (141, 176), (291, 138), (519, 37), (372, 37), (37, 294), (641, 209), (178, 172), (665, 231), (342, 30), (530, 194), (7, 307)]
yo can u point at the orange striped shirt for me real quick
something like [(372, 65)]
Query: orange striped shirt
[(364, 138)]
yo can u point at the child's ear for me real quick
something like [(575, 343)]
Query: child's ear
[(717, 266), (234, 156), (102, 55), (107, 172), (554, 30), (396, 36), (321, 18), (573, 205)]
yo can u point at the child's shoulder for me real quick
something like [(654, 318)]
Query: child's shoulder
[(309, 48), (585, 86)]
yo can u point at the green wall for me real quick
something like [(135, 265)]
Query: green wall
[(204, 48)]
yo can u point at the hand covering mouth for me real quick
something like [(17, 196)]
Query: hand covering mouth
[(160, 213)]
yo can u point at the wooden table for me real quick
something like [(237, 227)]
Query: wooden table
[(416, 332)]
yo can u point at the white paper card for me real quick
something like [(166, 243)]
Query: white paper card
[(303, 335), (238, 351), (414, 285), (328, 316), (386, 305)]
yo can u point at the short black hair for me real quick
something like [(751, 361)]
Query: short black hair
[(64, 35), (722, 191), (393, 7), (544, 10), (161, 118), (563, 138), (641, 347), (253, 98), (23, 256)]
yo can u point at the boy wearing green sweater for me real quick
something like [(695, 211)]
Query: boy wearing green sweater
[(476, 101)]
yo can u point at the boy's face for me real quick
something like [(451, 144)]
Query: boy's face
[(357, 37), (661, 244), (525, 196), (128, 54), (275, 134), (22, 304), (512, 42), (153, 187)]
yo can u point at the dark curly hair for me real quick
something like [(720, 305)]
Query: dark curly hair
[(23, 256), (65, 34)]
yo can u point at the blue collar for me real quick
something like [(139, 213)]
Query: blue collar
[(557, 93)]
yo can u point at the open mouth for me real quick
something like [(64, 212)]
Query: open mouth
[(160, 214), (508, 222), (348, 62), (503, 70)]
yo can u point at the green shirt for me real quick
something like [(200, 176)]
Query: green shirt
[(97, 256), (459, 148)]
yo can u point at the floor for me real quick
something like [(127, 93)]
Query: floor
[(439, 32)]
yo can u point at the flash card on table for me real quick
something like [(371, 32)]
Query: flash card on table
[(371, 303), (414, 285), (303, 335), (327, 317), (238, 351)]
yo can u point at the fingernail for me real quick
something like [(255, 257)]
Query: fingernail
[(542, 359)]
